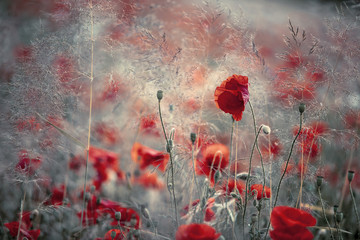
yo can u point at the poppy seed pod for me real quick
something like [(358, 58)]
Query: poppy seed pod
[(302, 107), (118, 216), (319, 180), (193, 137), (335, 208), (351, 175), (113, 234), (159, 95), (339, 217)]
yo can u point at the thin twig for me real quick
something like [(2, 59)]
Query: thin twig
[(323, 210)]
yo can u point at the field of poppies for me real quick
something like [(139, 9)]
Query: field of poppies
[(185, 120)]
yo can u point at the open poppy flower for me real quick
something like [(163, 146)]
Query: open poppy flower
[(149, 180), (27, 164), (196, 231), (309, 137), (146, 156), (25, 231), (211, 158), (231, 186), (232, 95), (209, 213), (291, 223), (119, 235), (258, 188)]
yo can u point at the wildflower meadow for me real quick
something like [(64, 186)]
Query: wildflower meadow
[(179, 120)]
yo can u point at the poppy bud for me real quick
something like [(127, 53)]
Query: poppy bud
[(319, 181), (170, 186), (234, 195), (98, 201), (159, 95), (339, 217), (351, 175), (34, 214), (336, 208), (87, 196), (118, 216), (145, 212), (266, 129), (92, 189), (217, 176), (171, 108), (169, 146), (302, 107), (133, 221), (113, 234), (221, 238), (193, 137)]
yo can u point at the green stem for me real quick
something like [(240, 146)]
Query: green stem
[(171, 166), (354, 202), (323, 210), (247, 179)]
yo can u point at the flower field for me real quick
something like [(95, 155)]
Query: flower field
[(185, 120)]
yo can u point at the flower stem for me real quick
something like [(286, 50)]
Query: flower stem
[(171, 166), (355, 208), (261, 159), (90, 107), (282, 176), (323, 210), (230, 160), (248, 177), (21, 213)]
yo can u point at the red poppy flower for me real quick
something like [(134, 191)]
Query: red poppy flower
[(259, 191), (209, 213), (119, 235), (211, 158), (25, 231), (231, 186), (273, 148), (291, 223), (106, 133), (104, 161), (56, 196), (149, 124), (27, 164), (196, 231), (146, 156), (150, 180), (232, 95), (309, 137)]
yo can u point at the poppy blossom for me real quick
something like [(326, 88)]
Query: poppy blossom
[(258, 188), (231, 186), (150, 180), (309, 137), (196, 231), (27, 164), (291, 223), (211, 158), (209, 213), (270, 148), (104, 161), (25, 228), (232, 95), (146, 156), (119, 235)]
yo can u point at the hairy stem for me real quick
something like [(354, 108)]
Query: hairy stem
[(355, 208), (171, 167), (323, 210), (247, 179)]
